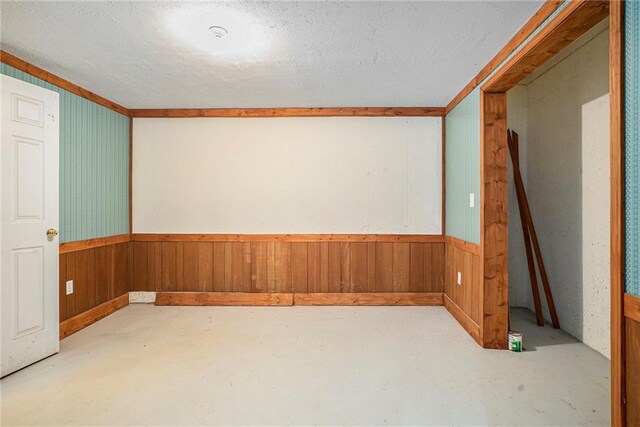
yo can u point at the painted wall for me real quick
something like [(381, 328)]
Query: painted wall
[(94, 165), (632, 146), (463, 138), (568, 185), (288, 175)]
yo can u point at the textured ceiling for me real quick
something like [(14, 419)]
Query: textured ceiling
[(276, 54)]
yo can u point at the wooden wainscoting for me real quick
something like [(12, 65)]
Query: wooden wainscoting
[(280, 266), (464, 301), (100, 274)]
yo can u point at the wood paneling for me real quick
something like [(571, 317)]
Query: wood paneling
[(632, 374), (466, 295), (616, 91), (406, 238), (632, 307), (285, 267), (60, 82), (494, 322), (92, 315), (223, 298), (372, 299), (99, 274), (292, 112), (527, 29), (571, 22), (81, 245), (464, 245)]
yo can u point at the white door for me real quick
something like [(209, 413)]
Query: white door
[(29, 207)]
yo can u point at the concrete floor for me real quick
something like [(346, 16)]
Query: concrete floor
[(149, 365)]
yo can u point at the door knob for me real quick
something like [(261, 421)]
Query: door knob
[(51, 233)]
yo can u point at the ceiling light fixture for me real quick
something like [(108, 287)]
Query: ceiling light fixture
[(218, 31), (241, 39)]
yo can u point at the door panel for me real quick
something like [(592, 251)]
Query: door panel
[(29, 207)]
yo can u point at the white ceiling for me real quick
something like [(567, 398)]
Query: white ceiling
[(277, 54)]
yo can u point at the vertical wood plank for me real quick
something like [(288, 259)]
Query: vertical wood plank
[(271, 267), (495, 297), (180, 266), (151, 259), (205, 266), (401, 267), (384, 267), (168, 266), (299, 267), (228, 267), (416, 272), (437, 267), (219, 266), (283, 267), (81, 280), (313, 267), (157, 273), (359, 267), (237, 267), (190, 269), (71, 271), (334, 267), (140, 266), (371, 266), (346, 284), (259, 282), (246, 266), (103, 273)]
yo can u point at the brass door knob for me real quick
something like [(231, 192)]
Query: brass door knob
[(51, 233)]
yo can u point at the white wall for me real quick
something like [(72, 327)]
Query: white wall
[(288, 175), (567, 150)]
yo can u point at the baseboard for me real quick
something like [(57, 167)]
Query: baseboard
[(463, 319), (289, 299), (82, 320), (368, 299), (224, 299)]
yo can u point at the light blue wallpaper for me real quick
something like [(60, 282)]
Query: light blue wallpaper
[(94, 165), (463, 169), (632, 146), (463, 159)]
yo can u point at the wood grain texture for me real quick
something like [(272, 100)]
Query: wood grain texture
[(618, 329), (80, 321), (285, 267), (527, 29), (632, 374), (82, 245), (292, 112), (99, 274), (406, 238), (632, 307), (368, 299), (466, 295), (223, 299), (570, 23), (464, 245), (38, 72), (494, 322), (463, 319)]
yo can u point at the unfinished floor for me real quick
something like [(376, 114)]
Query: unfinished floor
[(147, 365)]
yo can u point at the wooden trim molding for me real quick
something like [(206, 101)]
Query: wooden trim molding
[(618, 306), (527, 29), (391, 238), (224, 299), (81, 245), (463, 244), (493, 205), (82, 320), (571, 22), (38, 72), (369, 299), (632, 307), (292, 112), (463, 319)]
